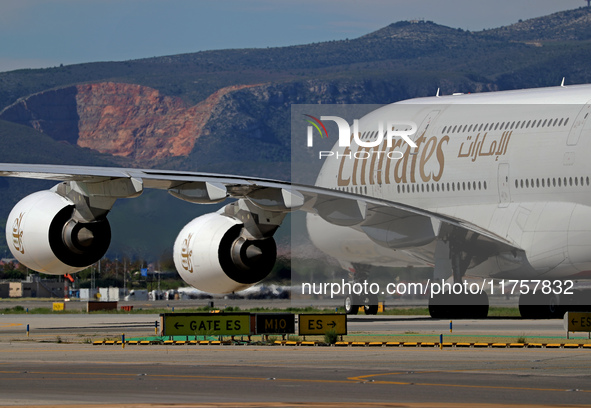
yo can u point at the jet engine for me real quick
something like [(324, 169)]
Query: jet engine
[(214, 253), (43, 233)]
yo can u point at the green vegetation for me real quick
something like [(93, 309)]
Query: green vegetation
[(331, 336)]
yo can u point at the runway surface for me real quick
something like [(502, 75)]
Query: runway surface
[(36, 370), (78, 374)]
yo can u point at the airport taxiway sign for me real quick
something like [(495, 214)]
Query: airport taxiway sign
[(577, 322), (201, 324), (321, 323), (275, 323)]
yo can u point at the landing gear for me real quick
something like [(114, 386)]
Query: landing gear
[(354, 302), (454, 303), (462, 306), (370, 304), (351, 305), (553, 306), (359, 273), (540, 306)]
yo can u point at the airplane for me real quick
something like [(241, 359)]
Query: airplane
[(496, 186)]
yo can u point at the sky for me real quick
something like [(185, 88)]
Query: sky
[(47, 33)]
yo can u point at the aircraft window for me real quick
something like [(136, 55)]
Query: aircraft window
[(528, 123), (454, 129), (559, 182), (526, 183), (521, 183), (422, 188), (544, 124), (576, 181), (470, 128), (570, 181), (443, 131), (566, 121), (543, 183), (522, 124), (464, 186), (507, 126), (465, 126), (555, 122), (447, 186), (581, 180), (587, 180), (480, 128), (565, 182), (560, 123), (539, 123), (485, 126), (538, 183), (485, 185), (513, 124), (398, 188), (516, 184), (496, 126), (553, 182), (453, 187)]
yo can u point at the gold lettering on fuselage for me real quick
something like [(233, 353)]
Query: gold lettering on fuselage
[(480, 147), (429, 159)]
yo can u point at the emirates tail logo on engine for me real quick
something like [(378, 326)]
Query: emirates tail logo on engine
[(186, 254), (17, 234)]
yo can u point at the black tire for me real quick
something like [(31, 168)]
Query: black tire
[(541, 306), (370, 304), (447, 306), (351, 305)]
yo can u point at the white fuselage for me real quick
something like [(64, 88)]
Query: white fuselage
[(516, 164)]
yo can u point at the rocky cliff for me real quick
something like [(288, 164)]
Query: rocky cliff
[(124, 120)]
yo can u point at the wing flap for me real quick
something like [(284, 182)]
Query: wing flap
[(387, 223)]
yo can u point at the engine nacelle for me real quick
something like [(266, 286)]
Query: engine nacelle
[(211, 254), (43, 236)]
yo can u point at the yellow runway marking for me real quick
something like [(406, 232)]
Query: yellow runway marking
[(494, 387), (350, 380), (10, 324)]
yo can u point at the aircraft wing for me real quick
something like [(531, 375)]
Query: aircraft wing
[(387, 223)]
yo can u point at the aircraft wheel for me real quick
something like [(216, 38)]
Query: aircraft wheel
[(352, 305), (451, 306), (540, 306), (371, 304)]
